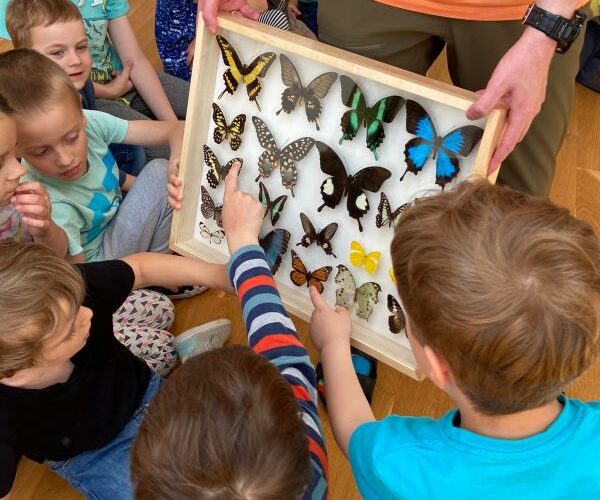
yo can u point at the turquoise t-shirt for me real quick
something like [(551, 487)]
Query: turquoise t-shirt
[(96, 14), (85, 207), (410, 457)]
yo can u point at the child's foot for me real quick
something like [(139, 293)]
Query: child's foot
[(202, 338)]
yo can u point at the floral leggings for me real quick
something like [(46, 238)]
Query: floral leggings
[(141, 324)]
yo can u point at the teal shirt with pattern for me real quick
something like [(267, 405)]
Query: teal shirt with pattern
[(96, 15), (85, 207)]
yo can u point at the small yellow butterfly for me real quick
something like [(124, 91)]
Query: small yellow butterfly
[(359, 257), (392, 275)]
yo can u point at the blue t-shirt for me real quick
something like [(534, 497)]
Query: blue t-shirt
[(411, 457)]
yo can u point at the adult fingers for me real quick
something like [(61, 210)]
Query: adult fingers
[(248, 12), (511, 136), (487, 100), (209, 15)]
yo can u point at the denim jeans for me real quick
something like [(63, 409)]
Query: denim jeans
[(130, 159), (103, 474)]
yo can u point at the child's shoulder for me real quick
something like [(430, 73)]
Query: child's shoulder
[(94, 10), (105, 126)]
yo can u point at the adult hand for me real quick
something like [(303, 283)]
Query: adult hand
[(519, 81), (31, 200), (328, 326), (211, 7), (242, 213)]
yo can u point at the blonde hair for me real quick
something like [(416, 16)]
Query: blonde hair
[(506, 287), (32, 282), (32, 83), (23, 15)]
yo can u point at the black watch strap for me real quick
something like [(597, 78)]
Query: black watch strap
[(564, 31)]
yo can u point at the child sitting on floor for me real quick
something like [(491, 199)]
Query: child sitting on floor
[(54, 28), (238, 422), (502, 300), (70, 394), (67, 150)]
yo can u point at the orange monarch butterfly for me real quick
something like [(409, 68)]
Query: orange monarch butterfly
[(300, 276)]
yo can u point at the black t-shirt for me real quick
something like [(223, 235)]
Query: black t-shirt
[(92, 407)]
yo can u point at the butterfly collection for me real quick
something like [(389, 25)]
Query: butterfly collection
[(293, 157)]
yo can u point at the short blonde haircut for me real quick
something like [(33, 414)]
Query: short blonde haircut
[(506, 287), (24, 15), (32, 83), (32, 282)]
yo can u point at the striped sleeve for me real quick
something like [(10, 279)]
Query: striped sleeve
[(272, 334)]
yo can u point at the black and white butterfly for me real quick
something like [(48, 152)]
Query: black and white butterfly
[(274, 206), (297, 94), (340, 183), (209, 209), (233, 133), (322, 238), (364, 297), (397, 321), (217, 172), (212, 236), (275, 245), (385, 215), (285, 158)]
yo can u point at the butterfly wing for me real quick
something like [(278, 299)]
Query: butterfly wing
[(317, 89), (384, 110), (357, 254), (459, 142), (235, 131), (344, 295), (324, 238), (207, 207), (255, 70), (418, 149), (384, 212), (333, 188), (269, 159), (288, 157), (298, 274), (204, 231), (353, 98), (217, 236), (397, 321), (367, 295), (214, 172), (274, 207), (220, 132), (318, 277), (275, 245), (369, 179), (291, 79), (310, 234), (233, 76)]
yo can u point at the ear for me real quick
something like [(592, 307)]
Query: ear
[(439, 370)]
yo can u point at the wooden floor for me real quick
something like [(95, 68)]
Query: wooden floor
[(576, 186)]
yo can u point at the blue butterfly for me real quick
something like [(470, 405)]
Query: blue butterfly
[(458, 142), (275, 245)]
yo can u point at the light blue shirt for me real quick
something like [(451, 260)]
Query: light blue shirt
[(411, 457)]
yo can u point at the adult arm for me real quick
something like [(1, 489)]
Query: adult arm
[(519, 80), (210, 8), (347, 405), (142, 75)]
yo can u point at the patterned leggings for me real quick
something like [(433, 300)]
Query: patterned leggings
[(141, 325)]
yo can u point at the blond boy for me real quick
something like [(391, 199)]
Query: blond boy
[(67, 150), (502, 299)]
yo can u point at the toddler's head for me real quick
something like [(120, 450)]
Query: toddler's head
[(53, 28), (505, 288), (50, 123), (10, 169), (41, 318), (225, 426)]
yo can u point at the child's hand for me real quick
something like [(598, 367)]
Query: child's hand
[(242, 214), (31, 200), (120, 84), (328, 326), (175, 184)]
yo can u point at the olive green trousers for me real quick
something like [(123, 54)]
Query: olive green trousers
[(412, 41)]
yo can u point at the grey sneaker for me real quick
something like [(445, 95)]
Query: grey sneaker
[(202, 338)]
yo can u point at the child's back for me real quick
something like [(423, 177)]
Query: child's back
[(502, 299)]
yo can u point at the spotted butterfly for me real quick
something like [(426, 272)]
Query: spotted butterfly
[(340, 183), (444, 150), (384, 110), (209, 209), (285, 158), (240, 73), (297, 94), (397, 321), (385, 215), (217, 172), (233, 133), (348, 294)]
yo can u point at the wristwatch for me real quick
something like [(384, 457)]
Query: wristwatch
[(564, 31)]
